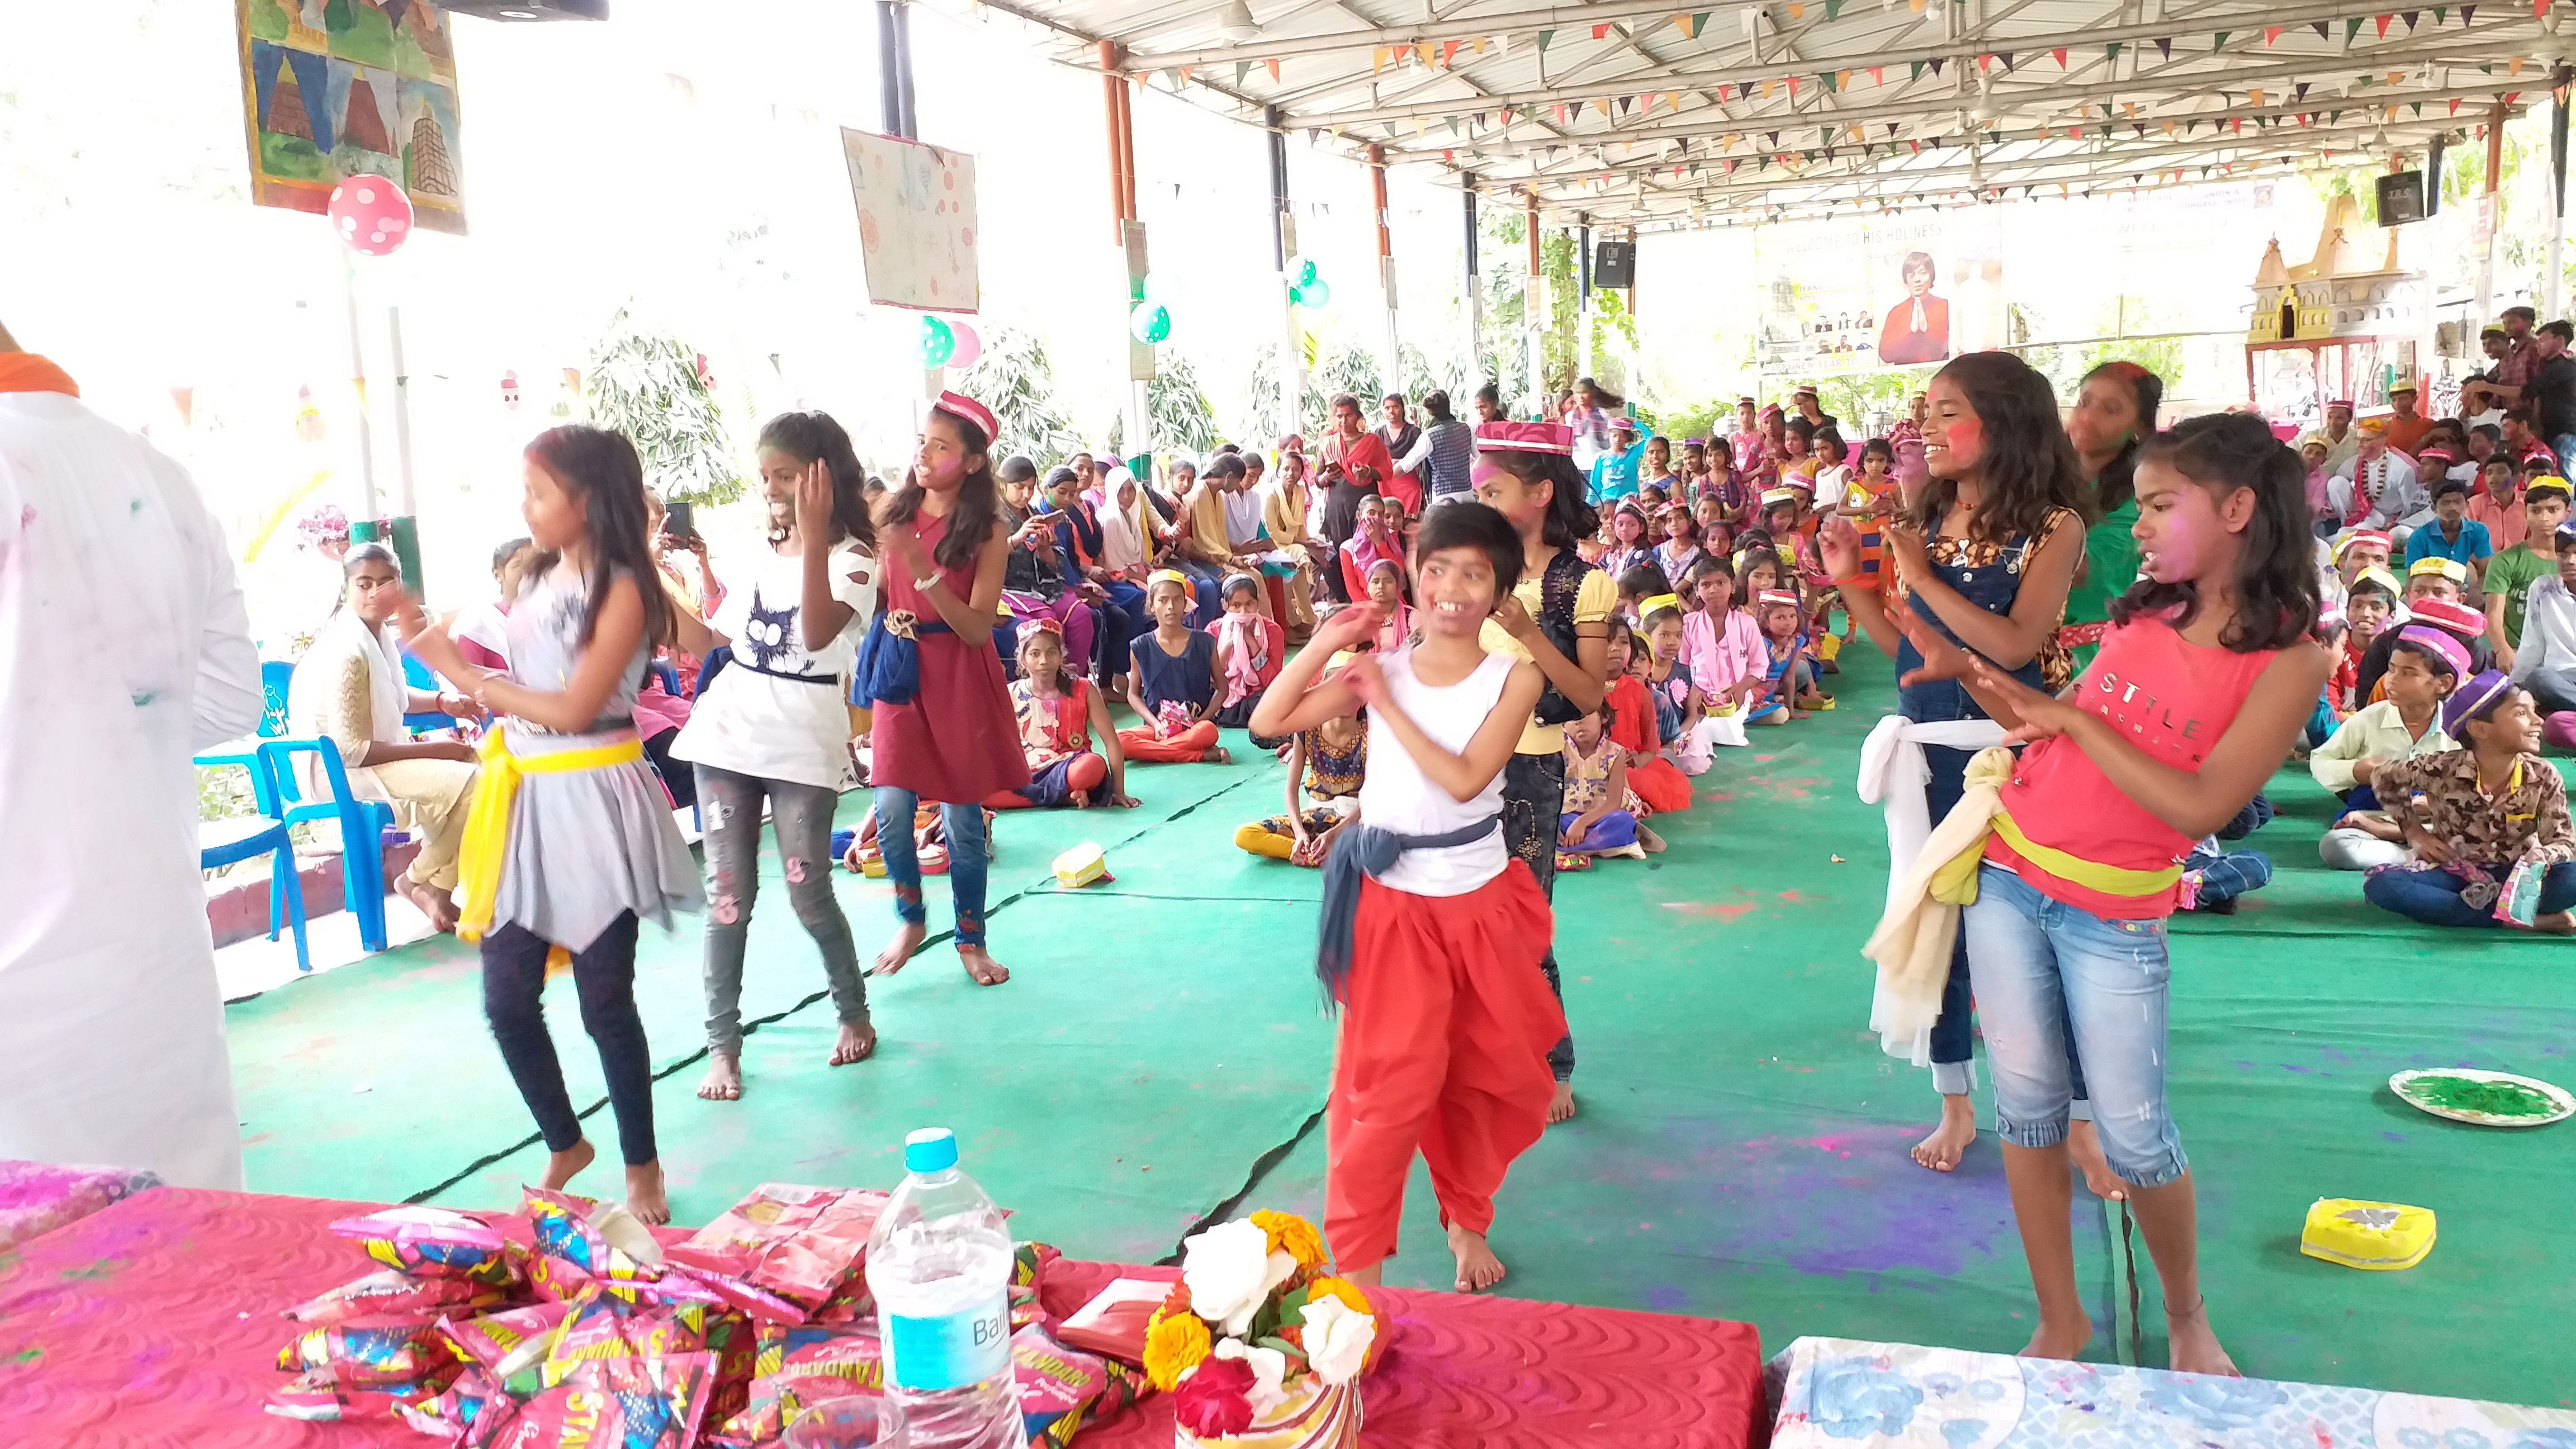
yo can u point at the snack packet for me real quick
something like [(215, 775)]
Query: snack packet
[(602, 1327), (798, 1243), (393, 1291), (807, 1365), (604, 1242), (430, 1242), (328, 1396), (1060, 1389), (469, 1413), (371, 1353), (631, 1403), (502, 1344)]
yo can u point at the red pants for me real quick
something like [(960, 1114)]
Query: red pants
[(1185, 748), (1444, 1048)]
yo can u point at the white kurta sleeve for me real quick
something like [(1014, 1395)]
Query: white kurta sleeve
[(228, 697)]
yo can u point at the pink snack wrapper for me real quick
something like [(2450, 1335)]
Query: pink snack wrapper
[(393, 1291), (797, 1243), (629, 1403), (430, 1242)]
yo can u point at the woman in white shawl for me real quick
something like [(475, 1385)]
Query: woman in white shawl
[(349, 688)]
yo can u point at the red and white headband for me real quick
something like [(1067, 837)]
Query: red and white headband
[(966, 409)]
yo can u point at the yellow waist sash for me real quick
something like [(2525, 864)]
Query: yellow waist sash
[(2109, 880), (487, 820)]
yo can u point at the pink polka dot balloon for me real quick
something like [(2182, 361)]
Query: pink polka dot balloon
[(371, 214)]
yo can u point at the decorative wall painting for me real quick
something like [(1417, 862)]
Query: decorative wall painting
[(334, 88), (916, 208)]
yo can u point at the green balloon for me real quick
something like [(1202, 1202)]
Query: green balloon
[(1316, 294), (938, 342), (1151, 322), (1305, 272)]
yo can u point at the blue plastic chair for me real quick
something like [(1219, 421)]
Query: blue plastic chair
[(363, 824), (418, 676), (669, 674), (274, 676), (228, 842)]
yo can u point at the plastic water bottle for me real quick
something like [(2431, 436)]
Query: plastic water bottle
[(939, 1265)]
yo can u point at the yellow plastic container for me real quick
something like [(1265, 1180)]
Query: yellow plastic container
[(1081, 866), (2378, 1237)]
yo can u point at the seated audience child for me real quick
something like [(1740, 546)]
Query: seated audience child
[(1250, 647), (2424, 666), (1682, 726), (1629, 545), (2514, 570), (2544, 658), (1332, 761), (1058, 712), (2432, 597), (1680, 548), (1635, 587), (2346, 558), (2487, 822), (1386, 592), (1716, 536), (2369, 604), (1373, 539), (2452, 534), (2213, 877), (1596, 820), (1787, 686), (1631, 716), (1174, 682)]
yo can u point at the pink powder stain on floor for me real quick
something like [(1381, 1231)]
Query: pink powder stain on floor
[(1729, 913), (1799, 898), (1837, 1143)]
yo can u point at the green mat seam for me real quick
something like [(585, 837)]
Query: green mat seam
[(1261, 1166)]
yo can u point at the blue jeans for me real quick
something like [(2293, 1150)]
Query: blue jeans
[(967, 856), (2043, 967), (2257, 813), (2225, 875), (2433, 896)]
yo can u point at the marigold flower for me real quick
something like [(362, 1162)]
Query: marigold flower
[(1174, 1344), (1292, 1235)]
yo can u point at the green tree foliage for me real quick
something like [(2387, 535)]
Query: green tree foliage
[(1016, 381), (645, 384), (1177, 412)]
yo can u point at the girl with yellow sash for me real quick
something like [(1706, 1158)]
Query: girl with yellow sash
[(2069, 859), (570, 842)]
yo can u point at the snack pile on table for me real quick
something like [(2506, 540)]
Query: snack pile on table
[(572, 1323)]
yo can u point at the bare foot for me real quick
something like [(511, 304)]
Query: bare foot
[(2085, 1146), (858, 1043), (1654, 843), (1560, 1108), (1949, 1142), (2192, 1346), (1368, 1277), (1478, 1268), (644, 1195), (1216, 755), (2065, 1341), (899, 950), (2554, 923), (723, 1082), (438, 905), (562, 1167), (1078, 799), (985, 970)]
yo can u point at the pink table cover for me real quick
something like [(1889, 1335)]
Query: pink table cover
[(156, 1322), (38, 1197)]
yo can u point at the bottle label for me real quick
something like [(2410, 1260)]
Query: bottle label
[(927, 1355)]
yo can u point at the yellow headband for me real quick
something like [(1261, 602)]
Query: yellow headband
[(2456, 572), (1659, 601), (1176, 578)]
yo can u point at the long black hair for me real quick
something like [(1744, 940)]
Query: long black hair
[(2119, 481), (812, 438), (363, 553), (2029, 467), (978, 510), (2276, 577), (1568, 519), (600, 468)]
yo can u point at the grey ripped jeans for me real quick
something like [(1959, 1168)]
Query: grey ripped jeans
[(802, 815)]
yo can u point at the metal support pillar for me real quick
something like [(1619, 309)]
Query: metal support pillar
[(1472, 375), (894, 69), (1583, 296), (1534, 314), (1391, 376), (2553, 274), (1283, 256)]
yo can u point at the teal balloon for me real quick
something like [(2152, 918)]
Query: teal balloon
[(938, 342), (1316, 294), (1305, 272), (1151, 322)]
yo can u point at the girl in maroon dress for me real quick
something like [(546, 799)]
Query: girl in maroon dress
[(955, 742)]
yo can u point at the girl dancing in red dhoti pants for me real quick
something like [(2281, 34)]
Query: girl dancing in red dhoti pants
[(1431, 931)]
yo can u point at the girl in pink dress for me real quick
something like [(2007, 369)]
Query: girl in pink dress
[(955, 741)]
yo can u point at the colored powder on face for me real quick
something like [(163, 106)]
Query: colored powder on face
[(2495, 1099)]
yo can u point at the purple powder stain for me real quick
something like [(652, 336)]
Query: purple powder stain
[(1664, 1298), (2394, 1136), (1854, 1201), (2295, 1067)]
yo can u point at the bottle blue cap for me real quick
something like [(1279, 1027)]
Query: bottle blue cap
[(932, 1149)]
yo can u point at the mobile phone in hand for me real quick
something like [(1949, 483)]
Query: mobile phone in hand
[(679, 523)]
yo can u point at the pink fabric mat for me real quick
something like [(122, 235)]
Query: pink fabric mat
[(38, 1197), (156, 1322)]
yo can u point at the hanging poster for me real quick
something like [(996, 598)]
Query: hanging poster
[(334, 88), (1898, 291), (916, 221)]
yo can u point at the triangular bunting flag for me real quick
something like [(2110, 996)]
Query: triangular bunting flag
[(1682, 24), (1242, 68), (2271, 33), (2466, 11), (2301, 89), (2111, 51), (1842, 80), (2219, 44), (2455, 105), (1624, 103), (2129, 109), (1937, 63), (2007, 59), (1878, 75), (2351, 27), (2060, 54), (1453, 124), (2164, 46), (1793, 88), (1448, 54), (1833, 9), (1917, 72), (1601, 32), (2513, 66), (2322, 32), (1893, 127), (1544, 37), (1180, 75), (1699, 22), (2409, 18), (1377, 59), (2138, 126), (2382, 22), (2239, 123), (1774, 137), (2255, 95), (1447, 156), (1273, 67)]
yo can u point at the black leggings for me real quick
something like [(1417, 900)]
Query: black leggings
[(1533, 802), (514, 982)]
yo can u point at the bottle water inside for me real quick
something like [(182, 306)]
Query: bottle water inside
[(939, 1265)]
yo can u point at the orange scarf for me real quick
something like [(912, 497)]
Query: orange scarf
[(26, 372)]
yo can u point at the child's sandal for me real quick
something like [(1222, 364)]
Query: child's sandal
[(1567, 862)]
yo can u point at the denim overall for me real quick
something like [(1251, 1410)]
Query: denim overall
[(1991, 587)]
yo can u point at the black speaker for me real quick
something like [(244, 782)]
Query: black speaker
[(2401, 198), (1614, 264)]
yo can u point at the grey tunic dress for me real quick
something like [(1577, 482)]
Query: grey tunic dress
[(586, 846)]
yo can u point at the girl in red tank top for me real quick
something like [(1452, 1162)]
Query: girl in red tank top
[(2205, 679)]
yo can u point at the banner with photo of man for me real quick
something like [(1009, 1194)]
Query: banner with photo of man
[(1898, 291)]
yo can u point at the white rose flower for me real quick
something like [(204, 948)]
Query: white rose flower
[(1227, 1269), (1269, 1368), (1280, 1269), (1337, 1339)]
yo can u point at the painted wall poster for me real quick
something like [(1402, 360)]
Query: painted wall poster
[(1901, 291), (916, 221), (334, 88)]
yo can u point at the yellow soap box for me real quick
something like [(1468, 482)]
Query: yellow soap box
[(2378, 1237)]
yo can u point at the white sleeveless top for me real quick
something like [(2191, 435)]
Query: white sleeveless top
[(1397, 796)]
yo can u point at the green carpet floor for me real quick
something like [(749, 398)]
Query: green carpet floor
[(1740, 1150)]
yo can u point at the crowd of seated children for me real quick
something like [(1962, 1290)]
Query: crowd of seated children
[(2425, 665), (2486, 822)]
